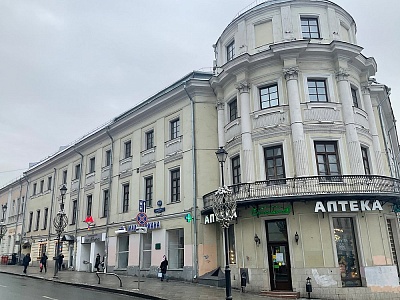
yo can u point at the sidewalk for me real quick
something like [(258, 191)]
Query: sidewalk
[(150, 288)]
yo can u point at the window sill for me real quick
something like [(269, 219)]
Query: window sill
[(173, 202)]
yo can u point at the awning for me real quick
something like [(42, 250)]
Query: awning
[(67, 237)]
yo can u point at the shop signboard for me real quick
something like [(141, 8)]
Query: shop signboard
[(344, 206)]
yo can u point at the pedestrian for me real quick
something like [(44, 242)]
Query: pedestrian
[(97, 262), (26, 261), (163, 267), (43, 263), (60, 261)]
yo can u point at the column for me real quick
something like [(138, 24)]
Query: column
[(247, 143), (296, 122), (377, 158), (221, 122), (353, 144)]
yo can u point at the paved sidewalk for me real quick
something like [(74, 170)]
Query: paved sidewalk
[(150, 288)]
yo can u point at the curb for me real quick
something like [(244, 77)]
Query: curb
[(89, 286)]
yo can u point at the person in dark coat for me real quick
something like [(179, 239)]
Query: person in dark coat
[(26, 261), (163, 267), (97, 262), (60, 261), (43, 261)]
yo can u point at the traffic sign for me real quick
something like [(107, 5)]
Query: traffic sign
[(142, 206), (141, 229), (141, 219)]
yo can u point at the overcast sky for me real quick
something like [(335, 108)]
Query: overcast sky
[(69, 66)]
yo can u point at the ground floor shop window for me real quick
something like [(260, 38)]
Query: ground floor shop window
[(346, 248), (391, 223), (123, 251), (231, 243), (175, 248), (42, 249), (146, 244)]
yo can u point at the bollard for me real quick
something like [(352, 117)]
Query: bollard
[(308, 287)]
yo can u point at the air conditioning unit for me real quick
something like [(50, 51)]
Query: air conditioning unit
[(121, 230)]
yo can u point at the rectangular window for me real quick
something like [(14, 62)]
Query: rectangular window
[(364, 152), (49, 179), (354, 97), (175, 185), (274, 164), (236, 174), (37, 220), (125, 198), (123, 251), (269, 96), (317, 90), (46, 215), (149, 139), (22, 205), (64, 177), (92, 165), (231, 244), (233, 110), (106, 195), (34, 188), (309, 28), (74, 212), (128, 149), (175, 248), (390, 224), (146, 244), (42, 249), (174, 129), (108, 158), (346, 248), (30, 221), (89, 205), (41, 186), (230, 51), (148, 181), (77, 171), (327, 160)]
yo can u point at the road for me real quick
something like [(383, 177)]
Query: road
[(24, 288)]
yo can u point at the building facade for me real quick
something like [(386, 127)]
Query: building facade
[(312, 165)]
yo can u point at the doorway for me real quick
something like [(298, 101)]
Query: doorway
[(278, 255)]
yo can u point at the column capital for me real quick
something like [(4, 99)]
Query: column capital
[(366, 88), (291, 73), (243, 87), (220, 104), (341, 74)]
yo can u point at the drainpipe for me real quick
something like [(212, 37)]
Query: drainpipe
[(23, 217), (195, 254), (16, 221), (77, 208), (51, 206), (109, 198)]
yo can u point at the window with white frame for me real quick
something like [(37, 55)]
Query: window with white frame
[(364, 153), (92, 165), (127, 149), (233, 110), (236, 173), (146, 244), (175, 185), (123, 251), (354, 96), (34, 189), (309, 28), (37, 219), (74, 211), (46, 215), (49, 180), (269, 96), (174, 129), (106, 196), (77, 171), (230, 51), (41, 186), (327, 157), (317, 90), (175, 248), (148, 182), (274, 163), (89, 203), (30, 221), (149, 136), (125, 197), (107, 158), (64, 177)]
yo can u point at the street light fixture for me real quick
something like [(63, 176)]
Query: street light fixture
[(224, 208), (3, 226), (60, 222)]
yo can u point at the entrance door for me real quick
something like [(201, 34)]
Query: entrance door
[(278, 255)]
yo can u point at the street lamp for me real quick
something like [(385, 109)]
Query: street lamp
[(60, 222), (3, 226), (224, 208)]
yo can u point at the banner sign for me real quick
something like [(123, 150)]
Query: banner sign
[(343, 206)]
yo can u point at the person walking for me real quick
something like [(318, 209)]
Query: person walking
[(97, 262), (163, 267), (43, 263), (60, 261), (26, 261)]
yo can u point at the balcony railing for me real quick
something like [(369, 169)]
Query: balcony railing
[(293, 189)]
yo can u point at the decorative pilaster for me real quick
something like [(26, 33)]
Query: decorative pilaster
[(246, 126), (296, 121), (353, 144), (376, 159), (221, 121)]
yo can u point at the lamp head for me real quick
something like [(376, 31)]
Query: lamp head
[(4, 207), (63, 190), (221, 154)]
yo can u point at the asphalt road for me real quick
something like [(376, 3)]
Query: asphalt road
[(25, 288)]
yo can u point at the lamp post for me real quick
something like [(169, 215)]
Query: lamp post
[(60, 222), (3, 226), (224, 208)]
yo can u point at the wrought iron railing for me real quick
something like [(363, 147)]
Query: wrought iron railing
[(311, 186)]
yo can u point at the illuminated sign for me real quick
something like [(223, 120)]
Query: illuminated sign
[(272, 210), (149, 225), (208, 219), (340, 206)]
